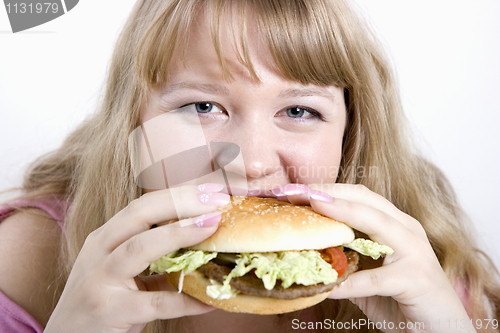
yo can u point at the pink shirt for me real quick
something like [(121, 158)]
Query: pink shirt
[(13, 318)]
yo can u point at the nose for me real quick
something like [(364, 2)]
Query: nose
[(260, 150), (245, 165), (260, 160)]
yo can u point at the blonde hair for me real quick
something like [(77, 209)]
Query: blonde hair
[(323, 42)]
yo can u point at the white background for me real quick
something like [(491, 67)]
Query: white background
[(446, 53)]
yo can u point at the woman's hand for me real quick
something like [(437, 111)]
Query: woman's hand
[(101, 294), (409, 292)]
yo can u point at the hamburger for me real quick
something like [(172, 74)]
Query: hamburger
[(267, 257)]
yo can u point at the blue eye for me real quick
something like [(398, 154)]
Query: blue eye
[(301, 113), (199, 108), (295, 112), (204, 107)]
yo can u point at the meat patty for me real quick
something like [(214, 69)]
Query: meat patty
[(252, 285)]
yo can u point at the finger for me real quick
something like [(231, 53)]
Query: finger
[(155, 282), (299, 199), (297, 194), (378, 225), (134, 255), (155, 207), (368, 283), (361, 194), (142, 307)]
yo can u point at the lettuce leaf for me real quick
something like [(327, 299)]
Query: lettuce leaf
[(369, 248), (187, 260), (220, 291), (300, 267)]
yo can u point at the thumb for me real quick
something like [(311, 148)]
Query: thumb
[(372, 282), (148, 306)]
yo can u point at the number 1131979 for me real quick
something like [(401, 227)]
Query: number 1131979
[(32, 8)]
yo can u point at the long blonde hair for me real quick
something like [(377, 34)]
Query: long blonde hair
[(323, 42)]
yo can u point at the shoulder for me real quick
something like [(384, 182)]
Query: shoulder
[(29, 251)]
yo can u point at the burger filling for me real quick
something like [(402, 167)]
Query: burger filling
[(286, 274), (251, 284)]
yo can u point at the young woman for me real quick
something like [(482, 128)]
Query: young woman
[(298, 86)]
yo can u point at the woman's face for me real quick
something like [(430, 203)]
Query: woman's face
[(287, 132)]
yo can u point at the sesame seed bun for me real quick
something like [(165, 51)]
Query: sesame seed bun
[(252, 224)]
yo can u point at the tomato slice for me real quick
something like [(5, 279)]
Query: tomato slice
[(338, 259)]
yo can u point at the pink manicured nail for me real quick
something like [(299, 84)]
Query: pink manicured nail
[(277, 192), (207, 220), (209, 187), (214, 199), (294, 189), (320, 196)]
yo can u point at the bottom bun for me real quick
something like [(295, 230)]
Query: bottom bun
[(195, 284)]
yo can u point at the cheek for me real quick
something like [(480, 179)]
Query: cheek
[(315, 161)]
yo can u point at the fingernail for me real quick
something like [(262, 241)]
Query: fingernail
[(207, 220), (209, 187), (320, 196), (277, 192), (214, 199), (294, 189)]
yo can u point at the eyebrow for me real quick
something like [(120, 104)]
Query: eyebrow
[(217, 89), (304, 92), (208, 88)]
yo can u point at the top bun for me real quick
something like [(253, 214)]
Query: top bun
[(252, 224)]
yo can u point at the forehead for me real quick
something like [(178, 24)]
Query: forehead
[(225, 54)]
